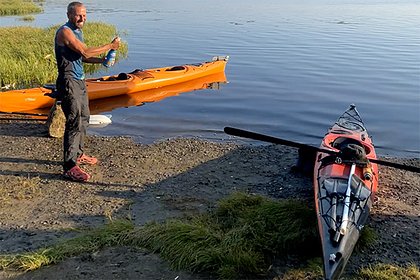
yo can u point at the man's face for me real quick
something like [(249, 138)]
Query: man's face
[(78, 17)]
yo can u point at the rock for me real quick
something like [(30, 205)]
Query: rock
[(56, 121)]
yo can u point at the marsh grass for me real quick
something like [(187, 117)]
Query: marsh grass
[(28, 58), (367, 239), (311, 271), (19, 7), (238, 239), (389, 272), (380, 271), (112, 234)]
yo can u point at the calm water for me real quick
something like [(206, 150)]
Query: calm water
[(293, 69)]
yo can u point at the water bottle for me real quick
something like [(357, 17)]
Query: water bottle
[(110, 58)]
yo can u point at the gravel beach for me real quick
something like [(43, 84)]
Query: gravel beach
[(169, 178)]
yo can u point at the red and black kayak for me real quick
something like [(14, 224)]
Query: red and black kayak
[(345, 184)]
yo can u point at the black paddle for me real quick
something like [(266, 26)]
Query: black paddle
[(271, 139)]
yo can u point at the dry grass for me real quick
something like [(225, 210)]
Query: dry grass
[(389, 272), (112, 234), (312, 271), (20, 189)]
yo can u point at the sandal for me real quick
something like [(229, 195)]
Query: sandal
[(77, 174), (84, 159)]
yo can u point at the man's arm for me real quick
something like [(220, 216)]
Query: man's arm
[(66, 37), (94, 60)]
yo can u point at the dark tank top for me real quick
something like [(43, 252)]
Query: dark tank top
[(69, 62)]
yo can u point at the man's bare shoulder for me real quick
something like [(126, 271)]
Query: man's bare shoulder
[(64, 35)]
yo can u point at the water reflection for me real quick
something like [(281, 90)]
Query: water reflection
[(154, 95), (102, 105)]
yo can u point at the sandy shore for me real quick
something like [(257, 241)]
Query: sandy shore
[(154, 182)]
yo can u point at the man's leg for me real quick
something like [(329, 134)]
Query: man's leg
[(72, 108), (84, 116)]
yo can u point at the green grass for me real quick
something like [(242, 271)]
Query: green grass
[(389, 272), (18, 7), (28, 58), (311, 271), (112, 234), (367, 239), (379, 271), (237, 240)]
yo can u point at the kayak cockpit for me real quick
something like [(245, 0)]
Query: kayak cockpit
[(124, 77), (340, 143), (119, 77)]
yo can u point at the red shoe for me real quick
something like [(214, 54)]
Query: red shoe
[(84, 159), (77, 174)]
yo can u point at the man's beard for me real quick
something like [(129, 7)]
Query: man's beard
[(80, 24)]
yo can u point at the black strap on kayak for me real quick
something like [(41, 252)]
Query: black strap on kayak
[(349, 154)]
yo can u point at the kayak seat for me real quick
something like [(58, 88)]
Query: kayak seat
[(350, 151), (142, 74), (122, 77), (176, 68), (342, 142)]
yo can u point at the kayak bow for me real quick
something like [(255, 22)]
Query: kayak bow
[(344, 185)]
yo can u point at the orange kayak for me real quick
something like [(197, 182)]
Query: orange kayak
[(102, 105), (344, 185), (25, 100), (155, 95)]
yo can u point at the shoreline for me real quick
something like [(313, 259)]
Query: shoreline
[(169, 178)]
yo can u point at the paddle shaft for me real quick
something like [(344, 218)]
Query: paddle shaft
[(275, 140)]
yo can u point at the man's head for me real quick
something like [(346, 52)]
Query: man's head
[(76, 13)]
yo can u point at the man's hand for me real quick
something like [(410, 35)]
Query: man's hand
[(115, 44)]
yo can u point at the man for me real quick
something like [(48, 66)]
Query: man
[(70, 52)]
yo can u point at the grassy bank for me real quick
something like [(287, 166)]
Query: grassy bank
[(28, 59), (240, 238), (19, 7)]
